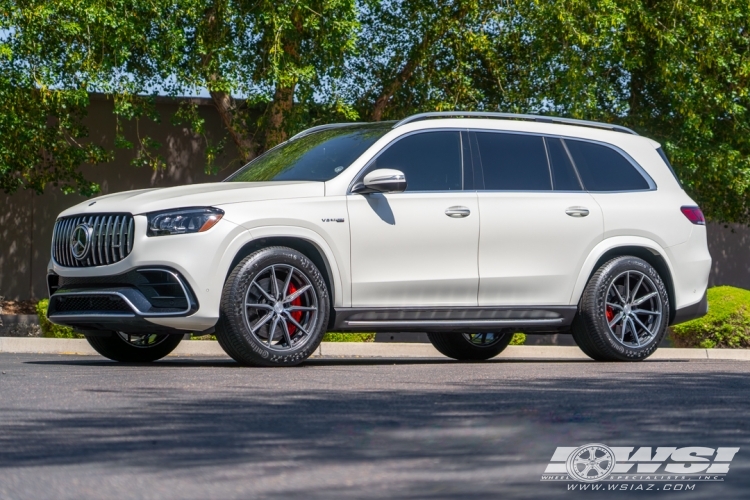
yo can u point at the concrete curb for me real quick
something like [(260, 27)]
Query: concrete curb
[(363, 350)]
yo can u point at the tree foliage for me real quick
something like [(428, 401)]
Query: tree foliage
[(673, 70)]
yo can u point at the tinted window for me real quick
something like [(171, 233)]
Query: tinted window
[(564, 177), (513, 162), (319, 156), (603, 169), (431, 161)]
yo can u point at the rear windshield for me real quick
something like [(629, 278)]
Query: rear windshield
[(319, 156)]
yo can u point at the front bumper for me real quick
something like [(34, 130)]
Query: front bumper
[(123, 302)]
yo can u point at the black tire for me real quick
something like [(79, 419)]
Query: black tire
[(255, 347), (469, 347), (603, 303), (116, 348)]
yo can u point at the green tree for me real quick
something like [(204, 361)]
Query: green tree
[(274, 55)]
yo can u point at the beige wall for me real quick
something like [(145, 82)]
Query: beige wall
[(26, 219)]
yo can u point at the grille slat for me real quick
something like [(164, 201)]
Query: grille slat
[(111, 239)]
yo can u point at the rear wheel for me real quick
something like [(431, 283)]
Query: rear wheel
[(134, 348), (470, 346), (623, 313)]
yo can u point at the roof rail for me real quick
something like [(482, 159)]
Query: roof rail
[(512, 116), (324, 127)]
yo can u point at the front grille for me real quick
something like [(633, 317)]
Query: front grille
[(90, 303), (111, 239)]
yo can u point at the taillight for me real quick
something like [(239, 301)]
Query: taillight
[(694, 215)]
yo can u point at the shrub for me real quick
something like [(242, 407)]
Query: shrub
[(51, 330), (348, 337), (727, 324), (518, 339)]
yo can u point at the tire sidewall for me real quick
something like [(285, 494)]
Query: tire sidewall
[(233, 301), (612, 270)]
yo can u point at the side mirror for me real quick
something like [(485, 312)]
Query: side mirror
[(382, 180)]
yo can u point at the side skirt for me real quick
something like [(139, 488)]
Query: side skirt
[(541, 319)]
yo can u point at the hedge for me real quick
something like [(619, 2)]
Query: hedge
[(727, 324), (51, 330)]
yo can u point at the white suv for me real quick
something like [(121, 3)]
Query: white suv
[(467, 226)]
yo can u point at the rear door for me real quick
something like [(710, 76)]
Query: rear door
[(537, 224)]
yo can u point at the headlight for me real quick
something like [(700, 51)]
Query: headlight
[(183, 221)]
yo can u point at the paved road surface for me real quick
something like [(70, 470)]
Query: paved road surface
[(82, 427)]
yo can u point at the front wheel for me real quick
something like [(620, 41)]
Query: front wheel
[(470, 346), (623, 313), (134, 348), (274, 309)]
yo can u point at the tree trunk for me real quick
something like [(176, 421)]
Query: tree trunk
[(281, 106), (385, 97), (226, 105)]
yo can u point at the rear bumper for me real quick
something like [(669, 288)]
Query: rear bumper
[(693, 311)]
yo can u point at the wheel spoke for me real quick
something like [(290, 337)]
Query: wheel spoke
[(638, 286), (635, 332), (260, 306), (644, 311), (285, 330), (272, 332), (296, 294), (644, 298), (261, 322), (627, 287), (274, 284), (287, 282), (301, 308), (294, 321), (615, 319), (616, 306), (619, 295), (642, 325), (624, 328), (265, 293)]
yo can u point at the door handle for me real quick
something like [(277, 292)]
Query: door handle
[(457, 212), (577, 211)]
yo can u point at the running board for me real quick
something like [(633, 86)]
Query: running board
[(458, 319)]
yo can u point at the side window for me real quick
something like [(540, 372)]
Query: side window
[(431, 161), (513, 162), (564, 176), (603, 169)]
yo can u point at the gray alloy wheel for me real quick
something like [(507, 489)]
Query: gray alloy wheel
[(142, 340), (470, 346), (274, 309), (623, 312), (281, 308), (134, 348)]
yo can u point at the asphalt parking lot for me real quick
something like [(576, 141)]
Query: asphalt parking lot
[(82, 427)]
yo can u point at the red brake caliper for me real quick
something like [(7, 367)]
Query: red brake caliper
[(297, 315), (610, 313)]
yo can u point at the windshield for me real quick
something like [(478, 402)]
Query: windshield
[(319, 156)]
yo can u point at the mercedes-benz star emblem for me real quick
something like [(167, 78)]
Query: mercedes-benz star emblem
[(80, 241)]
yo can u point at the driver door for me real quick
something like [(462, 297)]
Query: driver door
[(419, 247)]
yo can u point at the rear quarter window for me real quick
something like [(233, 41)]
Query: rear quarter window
[(602, 168)]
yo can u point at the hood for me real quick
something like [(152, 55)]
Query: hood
[(196, 195)]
